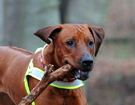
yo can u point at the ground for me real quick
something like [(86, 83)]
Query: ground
[(112, 81)]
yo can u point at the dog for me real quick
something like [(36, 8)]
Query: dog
[(75, 44)]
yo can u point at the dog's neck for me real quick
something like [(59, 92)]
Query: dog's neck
[(49, 56), (37, 60)]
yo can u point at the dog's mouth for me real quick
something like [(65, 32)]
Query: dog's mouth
[(79, 74)]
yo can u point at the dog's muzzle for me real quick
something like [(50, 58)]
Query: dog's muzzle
[(83, 72)]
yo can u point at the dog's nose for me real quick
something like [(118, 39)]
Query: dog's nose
[(87, 63)]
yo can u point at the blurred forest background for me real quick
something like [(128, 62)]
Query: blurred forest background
[(112, 81)]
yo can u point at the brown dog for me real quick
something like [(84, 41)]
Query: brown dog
[(74, 44)]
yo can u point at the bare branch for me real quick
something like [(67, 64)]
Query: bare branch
[(46, 80)]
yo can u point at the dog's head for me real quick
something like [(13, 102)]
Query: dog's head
[(75, 44)]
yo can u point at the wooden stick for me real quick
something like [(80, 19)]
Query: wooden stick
[(48, 78)]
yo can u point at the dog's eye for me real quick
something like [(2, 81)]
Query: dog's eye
[(70, 43), (90, 43)]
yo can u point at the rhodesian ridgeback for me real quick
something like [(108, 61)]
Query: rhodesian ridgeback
[(75, 44)]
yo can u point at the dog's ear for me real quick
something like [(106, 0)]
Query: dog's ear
[(98, 35), (46, 33)]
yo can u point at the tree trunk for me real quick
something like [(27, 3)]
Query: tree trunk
[(1, 22)]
